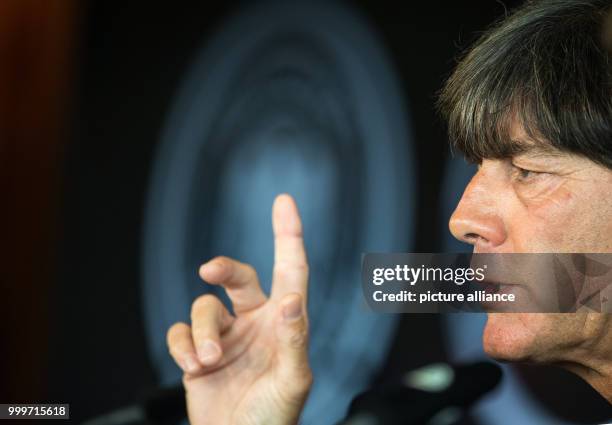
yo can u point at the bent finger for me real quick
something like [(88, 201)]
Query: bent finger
[(209, 319), (239, 280), (182, 350)]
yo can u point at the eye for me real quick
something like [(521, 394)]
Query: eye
[(523, 174)]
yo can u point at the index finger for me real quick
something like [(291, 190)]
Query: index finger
[(290, 272)]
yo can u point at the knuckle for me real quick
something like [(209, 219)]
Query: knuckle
[(297, 386), (250, 271), (187, 381), (290, 271), (223, 261), (204, 303), (307, 378), (302, 375), (301, 266), (299, 339)]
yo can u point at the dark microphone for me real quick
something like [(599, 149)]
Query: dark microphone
[(436, 394), (161, 406)]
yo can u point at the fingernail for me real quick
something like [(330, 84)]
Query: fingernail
[(209, 352), (191, 363), (292, 310)]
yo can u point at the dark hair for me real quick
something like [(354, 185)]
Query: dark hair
[(546, 65)]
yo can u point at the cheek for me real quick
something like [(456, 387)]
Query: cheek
[(557, 217), (567, 220), (548, 223)]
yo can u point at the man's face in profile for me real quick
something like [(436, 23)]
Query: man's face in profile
[(539, 201)]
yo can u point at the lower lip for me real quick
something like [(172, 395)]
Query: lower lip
[(502, 289)]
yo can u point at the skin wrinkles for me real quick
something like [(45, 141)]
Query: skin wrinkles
[(547, 201), (554, 182)]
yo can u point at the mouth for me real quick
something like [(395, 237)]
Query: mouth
[(495, 287), (491, 287)]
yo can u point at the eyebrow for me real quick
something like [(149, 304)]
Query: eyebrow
[(516, 147), (505, 147)]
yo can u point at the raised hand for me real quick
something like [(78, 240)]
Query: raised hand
[(251, 368)]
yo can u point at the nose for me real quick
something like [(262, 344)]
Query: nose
[(477, 219)]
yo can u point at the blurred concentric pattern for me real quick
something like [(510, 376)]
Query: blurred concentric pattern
[(290, 97)]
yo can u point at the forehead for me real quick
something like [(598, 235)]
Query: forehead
[(519, 142), (513, 141), (505, 134)]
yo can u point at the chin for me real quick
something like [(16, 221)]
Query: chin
[(514, 337)]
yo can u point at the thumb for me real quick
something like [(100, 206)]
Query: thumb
[(292, 336)]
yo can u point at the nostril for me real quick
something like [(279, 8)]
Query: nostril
[(471, 236)]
